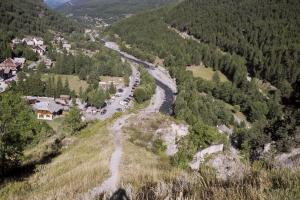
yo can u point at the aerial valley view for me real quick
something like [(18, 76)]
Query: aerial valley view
[(149, 100)]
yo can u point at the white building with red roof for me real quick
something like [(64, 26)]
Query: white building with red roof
[(8, 68)]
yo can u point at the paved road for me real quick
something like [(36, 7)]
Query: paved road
[(115, 105), (162, 77)]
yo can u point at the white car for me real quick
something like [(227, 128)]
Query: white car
[(122, 103)]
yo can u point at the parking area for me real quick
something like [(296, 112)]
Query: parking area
[(121, 101)]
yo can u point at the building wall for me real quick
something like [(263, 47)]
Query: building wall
[(44, 115)]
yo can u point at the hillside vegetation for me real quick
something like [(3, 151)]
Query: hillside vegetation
[(108, 9), (148, 35), (28, 17), (31, 17), (265, 33)]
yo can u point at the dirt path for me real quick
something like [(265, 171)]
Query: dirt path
[(155, 103), (110, 185)]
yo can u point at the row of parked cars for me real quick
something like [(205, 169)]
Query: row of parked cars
[(127, 100)]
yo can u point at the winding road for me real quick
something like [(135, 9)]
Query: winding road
[(161, 76), (162, 101)]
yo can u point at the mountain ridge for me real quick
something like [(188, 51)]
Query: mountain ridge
[(107, 9)]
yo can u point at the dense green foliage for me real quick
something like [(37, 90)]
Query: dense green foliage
[(31, 17), (73, 120), (108, 9), (28, 17), (146, 88), (200, 137), (32, 85), (266, 33), (18, 128), (104, 63), (149, 36), (26, 52), (95, 96)]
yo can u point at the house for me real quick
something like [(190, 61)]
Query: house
[(225, 129), (31, 100), (48, 62), (65, 97), (38, 41), (67, 46), (39, 49), (16, 41), (8, 68), (3, 86), (28, 41), (64, 100), (47, 110), (20, 61)]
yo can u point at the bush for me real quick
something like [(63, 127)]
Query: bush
[(147, 88), (73, 120), (140, 95)]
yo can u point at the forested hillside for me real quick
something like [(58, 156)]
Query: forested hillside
[(31, 17), (266, 33), (200, 102), (108, 9), (28, 17), (55, 3)]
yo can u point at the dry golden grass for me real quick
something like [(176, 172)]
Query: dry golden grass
[(159, 61), (84, 165), (205, 72), (140, 166)]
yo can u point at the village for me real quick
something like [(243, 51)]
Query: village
[(11, 66), (50, 108)]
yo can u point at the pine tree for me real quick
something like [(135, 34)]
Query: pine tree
[(67, 89), (59, 87), (112, 88)]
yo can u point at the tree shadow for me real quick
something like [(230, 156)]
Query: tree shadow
[(120, 194), (21, 172)]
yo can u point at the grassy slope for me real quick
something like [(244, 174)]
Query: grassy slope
[(206, 73), (79, 168), (84, 165), (74, 81)]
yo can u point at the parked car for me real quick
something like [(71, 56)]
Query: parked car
[(103, 112), (123, 103)]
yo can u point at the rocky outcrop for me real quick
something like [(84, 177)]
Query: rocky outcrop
[(289, 160), (227, 165), (170, 135), (199, 157)]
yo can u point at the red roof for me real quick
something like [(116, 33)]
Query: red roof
[(9, 64)]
